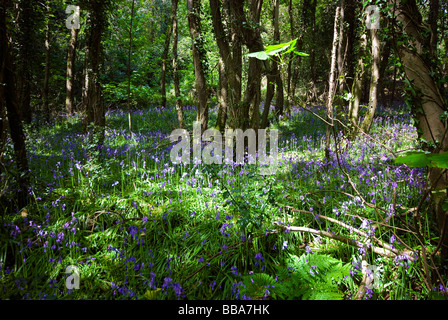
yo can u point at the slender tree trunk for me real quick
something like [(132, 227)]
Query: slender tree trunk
[(130, 71), (373, 93), (166, 50), (269, 96), (71, 56), (199, 58), (290, 63), (9, 101), (331, 85), (340, 51), (222, 97), (313, 49), (26, 27), (179, 111), (47, 65), (88, 117), (279, 95), (350, 18), (353, 110), (235, 81)]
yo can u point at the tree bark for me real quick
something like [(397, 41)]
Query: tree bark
[(47, 65), (222, 97), (71, 56), (331, 86), (9, 101), (340, 53), (164, 63), (199, 60), (94, 102), (230, 61), (26, 27), (433, 19), (179, 111), (252, 97), (279, 95), (353, 110), (130, 70), (373, 93), (428, 104)]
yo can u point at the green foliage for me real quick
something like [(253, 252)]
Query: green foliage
[(308, 277), (275, 50), (421, 159)]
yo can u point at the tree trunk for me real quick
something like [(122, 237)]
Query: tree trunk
[(88, 117), (230, 62), (340, 53), (94, 101), (331, 86), (71, 56), (313, 50), (26, 27), (269, 95), (252, 98), (166, 49), (373, 93), (9, 101), (428, 104), (222, 97), (179, 111), (433, 18), (350, 18), (353, 110), (47, 65), (279, 95), (130, 70), (307, 14), (199, 60), (290, 63)]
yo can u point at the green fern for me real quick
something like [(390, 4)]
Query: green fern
[(319, 275), (258, 285), (309, 277)]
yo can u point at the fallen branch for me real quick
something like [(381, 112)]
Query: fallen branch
[(351, 228), (381, 251)]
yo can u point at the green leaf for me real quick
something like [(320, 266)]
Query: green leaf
[(260, 55), (421, 159), (414, 159), (303, 54), (275, 49), (439, 160)]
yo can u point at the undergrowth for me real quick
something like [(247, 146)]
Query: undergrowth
[(138, 227)]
